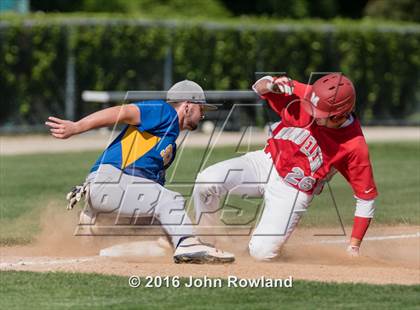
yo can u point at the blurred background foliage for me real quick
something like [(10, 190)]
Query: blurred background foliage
[(126, 50), (406, 10), (164, 8)]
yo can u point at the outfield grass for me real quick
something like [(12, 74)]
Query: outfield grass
[(29, 290), (31, 182)]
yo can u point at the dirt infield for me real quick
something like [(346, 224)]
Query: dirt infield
[(306, 256)]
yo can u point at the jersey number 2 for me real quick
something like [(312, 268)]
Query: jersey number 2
[(297, 177)]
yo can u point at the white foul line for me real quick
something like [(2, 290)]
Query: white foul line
[(407, 236), (48, 262)]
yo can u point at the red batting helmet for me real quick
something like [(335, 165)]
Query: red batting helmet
[(331, 95)]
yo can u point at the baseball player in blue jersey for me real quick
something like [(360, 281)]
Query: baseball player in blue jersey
[(129, 177)]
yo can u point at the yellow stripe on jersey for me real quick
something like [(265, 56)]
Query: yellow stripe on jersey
[(134, 144)]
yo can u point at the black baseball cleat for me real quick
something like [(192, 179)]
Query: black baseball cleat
[(193, 251)]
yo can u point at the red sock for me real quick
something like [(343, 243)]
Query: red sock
[(360, 225)]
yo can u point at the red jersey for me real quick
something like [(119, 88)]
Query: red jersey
[(307, 157)]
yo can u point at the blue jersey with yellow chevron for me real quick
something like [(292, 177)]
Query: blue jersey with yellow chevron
[(147, 149)]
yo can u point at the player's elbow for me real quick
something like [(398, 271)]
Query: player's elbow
[(129, 114)]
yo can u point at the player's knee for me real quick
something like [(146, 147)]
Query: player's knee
[(260, 253), (206, 186), (105, 198), (264, 250), (200, 181)]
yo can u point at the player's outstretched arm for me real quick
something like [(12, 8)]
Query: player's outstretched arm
[(63, 129)]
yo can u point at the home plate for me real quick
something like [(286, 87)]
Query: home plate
[(154, 248)]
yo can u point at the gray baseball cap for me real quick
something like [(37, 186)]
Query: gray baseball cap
[(190, 91)]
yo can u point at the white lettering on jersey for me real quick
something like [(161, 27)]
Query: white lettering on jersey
[(294, 134), (307, 147), (272, 127), (282, 133), (314, 99), (309, 144), (297, 177), (315, 160)]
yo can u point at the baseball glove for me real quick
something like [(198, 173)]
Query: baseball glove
[(76, 194)]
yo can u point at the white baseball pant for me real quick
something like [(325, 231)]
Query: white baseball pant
[(111, 190), (254, 175)]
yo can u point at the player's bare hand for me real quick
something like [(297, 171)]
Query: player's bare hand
[(60, 128), (353, 251)]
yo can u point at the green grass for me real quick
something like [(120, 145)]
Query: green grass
[(29, 290), (31, 182)]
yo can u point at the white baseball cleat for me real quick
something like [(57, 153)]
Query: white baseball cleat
[(86, 225), (87, 216), (192, 250)]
